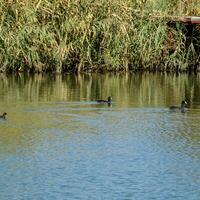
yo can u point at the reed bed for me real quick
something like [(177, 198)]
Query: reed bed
[(102, 35)]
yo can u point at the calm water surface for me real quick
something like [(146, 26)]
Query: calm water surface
[(57, 143)]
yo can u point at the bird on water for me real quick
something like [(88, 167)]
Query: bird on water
[(182, 108), (3, 116), (109, 100)]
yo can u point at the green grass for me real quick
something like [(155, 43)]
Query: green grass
[(88, 35)]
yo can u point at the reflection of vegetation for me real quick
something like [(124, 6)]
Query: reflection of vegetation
[(30, 111), (138, 89), (89, 35)]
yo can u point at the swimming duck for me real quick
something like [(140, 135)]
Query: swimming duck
[(109, 101), (4, 115), (182, 108)]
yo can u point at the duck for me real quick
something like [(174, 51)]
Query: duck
[(109, 100), (181, 108), (3, 116)]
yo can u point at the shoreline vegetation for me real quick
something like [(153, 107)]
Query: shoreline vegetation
[(97, 36)]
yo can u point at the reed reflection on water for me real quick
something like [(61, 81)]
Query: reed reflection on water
[(147, 89), (58, 141)]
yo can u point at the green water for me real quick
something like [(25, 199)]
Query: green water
[(58, 143)]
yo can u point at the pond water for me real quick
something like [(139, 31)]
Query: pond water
[(58, 143)]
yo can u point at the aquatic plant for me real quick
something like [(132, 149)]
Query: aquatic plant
[(102, 35)]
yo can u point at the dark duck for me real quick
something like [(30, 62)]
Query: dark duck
[(3, 116), (182, 108), (109, 101)]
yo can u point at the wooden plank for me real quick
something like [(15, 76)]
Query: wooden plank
[(187, 20), (195, 20)]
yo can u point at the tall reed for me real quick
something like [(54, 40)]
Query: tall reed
[(88, 35)]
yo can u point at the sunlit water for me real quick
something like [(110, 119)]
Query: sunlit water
[(58, 143)]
